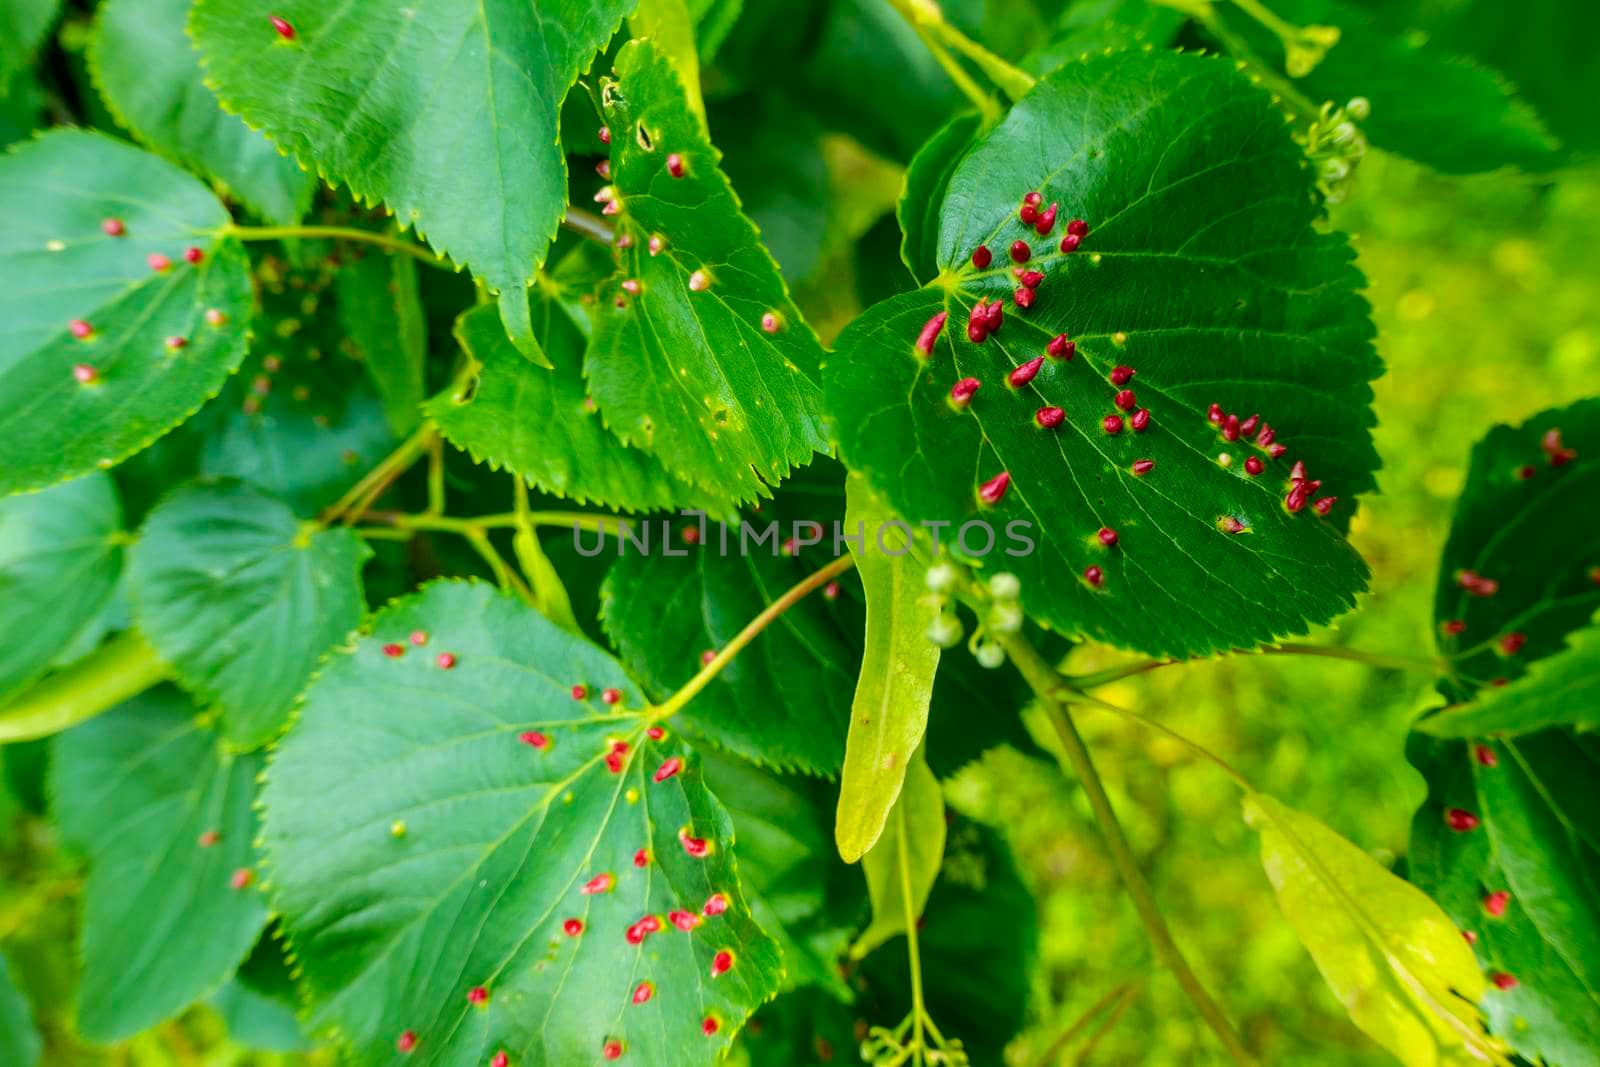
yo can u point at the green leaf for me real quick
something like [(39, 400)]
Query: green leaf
[(783, 701), (890, 711), (58, 266), (922, 196), (904, 863), (1562, 689), (243, 600), (24, 25), (1537, 839), (541, 425), (437, 839), (163, 810), (145, 67), (20, 1043), (1428, 104), (1101, 24), (1202, 271), (1395, 960), (446, 112), (782, 823), (691, 374), (60, 558), (1532, 528), (1542, 48), (382, 313)]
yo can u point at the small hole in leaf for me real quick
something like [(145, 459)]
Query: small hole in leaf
[(721, 415), (645, 141), (468, 391)]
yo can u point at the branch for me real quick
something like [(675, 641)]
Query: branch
[(1042, 678), (339, 233), (589, 225)]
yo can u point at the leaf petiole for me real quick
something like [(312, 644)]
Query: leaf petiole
[(337, 233), (707, 674)]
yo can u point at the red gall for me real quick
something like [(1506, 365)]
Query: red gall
[(600, 883), (1094, 576), (80, 329), (1125, 400), (1049, 418), (283, 26), (982, 257), (193, 255), (1107, 536), (113, 227), (675, 165), (1253, 466), (671, 766), (1047, 221), (1023, 297), (1112, 424), (994, 490), (1121, 375), (1024, 374), (715, 904), (447, 661), (930, 333), (961, 392), (533, 739), (1020, 252), (1078, 228), (1460, 820), (1142, 467), (406, 1042), (1495, 903), (721, 963), (572, 927), (1070, 243)]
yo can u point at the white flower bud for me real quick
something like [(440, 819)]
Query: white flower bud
[(989, 655), (1005, 618), (1358, 108), (1005, 586), (941, 578), (944, 631)]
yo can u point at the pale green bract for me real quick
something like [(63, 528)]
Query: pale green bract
[(437, 826), (890, 711), (908, 855)]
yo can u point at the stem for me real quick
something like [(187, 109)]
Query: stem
[(436, 476), (588, 224), (1372, 659), (1115, 674), (752, 630), (1082, 1023), (926, 17), (119, 669), (913, 952), (503, 574), (1106, 1024), (1041, 677), (445, 524), (338, 233), (360, 496)]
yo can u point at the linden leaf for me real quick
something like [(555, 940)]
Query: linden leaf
[(381, 311), (164, 812), (1507, 843), (259, 1004), (24, 26), (122, 300), (784, 701), (781, 822), (1510, 831), (699, 356), (471, 856), (922, 194), (1521, 569), (890, 711), (243, 599), (20, 1043), (60, 558), (146, 68), (1202, 281), (1428, 104), (541, 424), (1562, 689), (1394, 959), (907, 856), (446, 112)]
